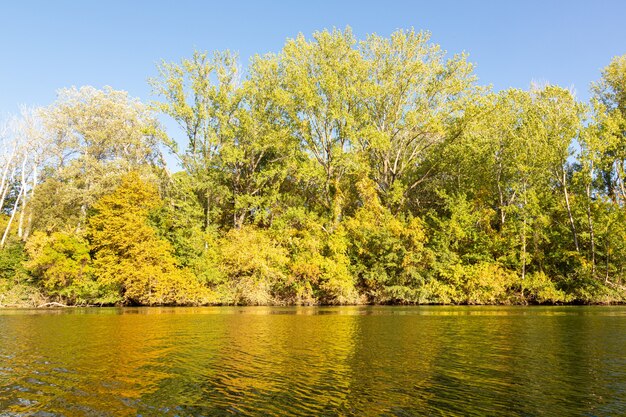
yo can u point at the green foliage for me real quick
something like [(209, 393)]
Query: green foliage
[(20, 294), (387, 253), (254, 265), (12, 258), (319, 264), (539, 288), (62, 264), (335, 171), (94, 137), (16, 288), (131, 262)]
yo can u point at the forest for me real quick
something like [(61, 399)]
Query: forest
[(336, 171)]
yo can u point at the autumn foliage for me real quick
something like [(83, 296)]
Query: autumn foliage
[(336, 171)]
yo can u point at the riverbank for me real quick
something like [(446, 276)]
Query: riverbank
[(30, 298), (496, 289)]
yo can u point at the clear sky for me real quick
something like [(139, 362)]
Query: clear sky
[(47, 45)]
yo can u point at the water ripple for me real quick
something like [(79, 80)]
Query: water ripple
[(354, 361)]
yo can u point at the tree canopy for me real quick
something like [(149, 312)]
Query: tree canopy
[(334, 171)]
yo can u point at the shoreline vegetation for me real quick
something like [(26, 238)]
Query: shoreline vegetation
[(53, 305), (337, 171)]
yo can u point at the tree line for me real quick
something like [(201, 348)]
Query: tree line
[(335, 171)]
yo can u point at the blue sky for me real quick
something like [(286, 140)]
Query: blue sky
[(47, 45)]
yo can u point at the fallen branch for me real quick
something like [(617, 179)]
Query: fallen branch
[(52, 304)]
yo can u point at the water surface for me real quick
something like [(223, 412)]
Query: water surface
[(343, 361)]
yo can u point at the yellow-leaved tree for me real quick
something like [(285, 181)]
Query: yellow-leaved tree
[(131, 261)]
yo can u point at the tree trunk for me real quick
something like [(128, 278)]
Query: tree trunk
[(238, 219), (620, 180), (524, 250), (606, 276), (5, 188), (20, 223), (15, 206), (500, 195), (207, 220), (524, 237), (8, 228), (590, 221), (207, 211), (569, 213), (29, 222)]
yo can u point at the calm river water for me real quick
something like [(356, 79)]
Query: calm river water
[(343, 361)]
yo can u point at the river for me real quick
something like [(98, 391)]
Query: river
[(318, 361)]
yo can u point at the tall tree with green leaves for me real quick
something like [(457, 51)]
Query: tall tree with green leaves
[(414, 99), (610, 108), (257, 158), (95, 136), (322, 82), (202, 94)]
